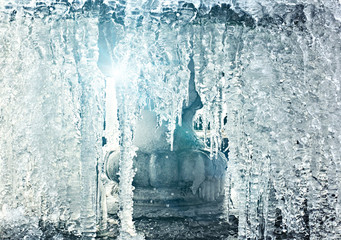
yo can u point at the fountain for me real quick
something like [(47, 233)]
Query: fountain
[(151, 119)]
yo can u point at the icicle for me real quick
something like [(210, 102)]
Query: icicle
[(126, 172), (127, 114)]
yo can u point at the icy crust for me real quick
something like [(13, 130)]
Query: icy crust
[(245, 12)]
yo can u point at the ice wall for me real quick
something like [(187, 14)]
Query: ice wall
[(283, 133), (51, 118), (279, 85)]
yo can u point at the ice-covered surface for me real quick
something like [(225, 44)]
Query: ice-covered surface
[(268, 74)]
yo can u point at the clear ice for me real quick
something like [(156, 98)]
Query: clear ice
[(83, 82)]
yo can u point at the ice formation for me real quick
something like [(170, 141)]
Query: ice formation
[(268, 74)]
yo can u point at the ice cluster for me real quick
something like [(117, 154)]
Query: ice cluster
[(268, 74)]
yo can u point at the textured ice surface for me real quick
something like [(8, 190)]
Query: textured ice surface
[(268, 74)]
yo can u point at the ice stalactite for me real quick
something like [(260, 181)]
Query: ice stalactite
[(127, 113), (126, 78), (209, 41), (92, 103)]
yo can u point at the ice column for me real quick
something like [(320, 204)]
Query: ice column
[(126, 77), (92, 84)]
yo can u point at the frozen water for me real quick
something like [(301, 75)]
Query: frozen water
[(82, 79)]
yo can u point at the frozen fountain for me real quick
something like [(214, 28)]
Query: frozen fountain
[(150, 119)]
